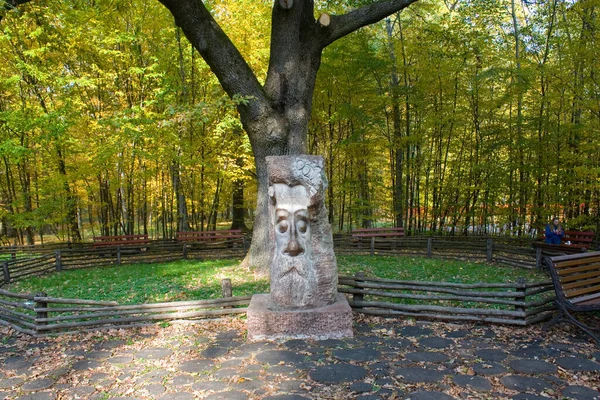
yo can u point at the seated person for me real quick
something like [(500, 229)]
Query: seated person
[(554, 232)]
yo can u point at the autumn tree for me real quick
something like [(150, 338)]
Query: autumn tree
[(275, 114)]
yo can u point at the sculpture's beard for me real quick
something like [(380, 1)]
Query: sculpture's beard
[(293, 280)]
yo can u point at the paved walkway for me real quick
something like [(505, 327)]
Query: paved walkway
[(387, 359)]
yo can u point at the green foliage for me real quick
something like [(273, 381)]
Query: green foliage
[(109, 119), (487, 138)]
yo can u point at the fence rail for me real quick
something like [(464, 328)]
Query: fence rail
[(42, 315), (517, 303), (19, 268), (514, 303), (497, 250)]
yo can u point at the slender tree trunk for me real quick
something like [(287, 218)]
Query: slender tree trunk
[(396, 120), (523, 192), (71, 200), (214, 209), (238, 213)]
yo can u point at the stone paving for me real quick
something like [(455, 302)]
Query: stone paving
[(387, 359)]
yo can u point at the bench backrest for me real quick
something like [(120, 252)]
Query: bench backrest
[(379, 230), (120, 238), (200, 235), (577, 237), (576, 278)]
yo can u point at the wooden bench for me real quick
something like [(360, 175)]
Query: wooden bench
[(378, 232), (121, 244), (576, 279), (121, 240), (222, 236), (573, 242), (372, 233)]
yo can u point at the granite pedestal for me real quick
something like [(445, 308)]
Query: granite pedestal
[(266, 322)]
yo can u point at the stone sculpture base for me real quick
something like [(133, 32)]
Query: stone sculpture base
[(330, 322)]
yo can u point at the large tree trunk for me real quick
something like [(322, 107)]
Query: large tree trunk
[(275, 116)]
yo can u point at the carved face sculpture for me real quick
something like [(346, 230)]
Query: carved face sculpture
[(292, 226), (293, 281)]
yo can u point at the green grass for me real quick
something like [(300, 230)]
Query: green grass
[(435, 270), (190, 280), (147, 283)]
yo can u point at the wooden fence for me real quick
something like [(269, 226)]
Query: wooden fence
[(506, 303), (17, 268), (41, 315), (515, 253), (517, 303)]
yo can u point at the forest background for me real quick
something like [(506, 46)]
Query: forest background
[(464, 116)]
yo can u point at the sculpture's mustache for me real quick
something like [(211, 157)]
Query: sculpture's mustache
[(286, 265)]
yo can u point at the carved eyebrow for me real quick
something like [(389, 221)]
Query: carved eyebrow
[(301, 214), (281, 213)]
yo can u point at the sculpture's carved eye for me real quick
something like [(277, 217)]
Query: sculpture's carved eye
[(282, 226), (302, 226)]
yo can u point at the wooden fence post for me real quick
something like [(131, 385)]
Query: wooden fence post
[(358, 296), (41, 304), (13, 252), (521, 288), (226, 288), (185, 251), (489, 246), (429, 247), (58, 256), (538, 258), (118, 255), (6, 272), (373, 246)]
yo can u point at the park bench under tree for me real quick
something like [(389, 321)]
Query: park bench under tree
[(576, 279), (578, 242), (120, 240), (121, 244), (229, 236), (370, 235)]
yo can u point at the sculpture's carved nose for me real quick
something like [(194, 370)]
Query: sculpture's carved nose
[(293, 248)]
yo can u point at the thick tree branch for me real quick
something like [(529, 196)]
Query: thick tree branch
[(342, 25), (220, 54)]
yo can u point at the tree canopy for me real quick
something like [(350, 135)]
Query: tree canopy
[(449, 116)]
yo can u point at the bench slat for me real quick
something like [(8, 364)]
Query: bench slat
[(574, 271), (581, 292), (580, 233), (587, 300), (581, 277), (576, 261), (586, 280)]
